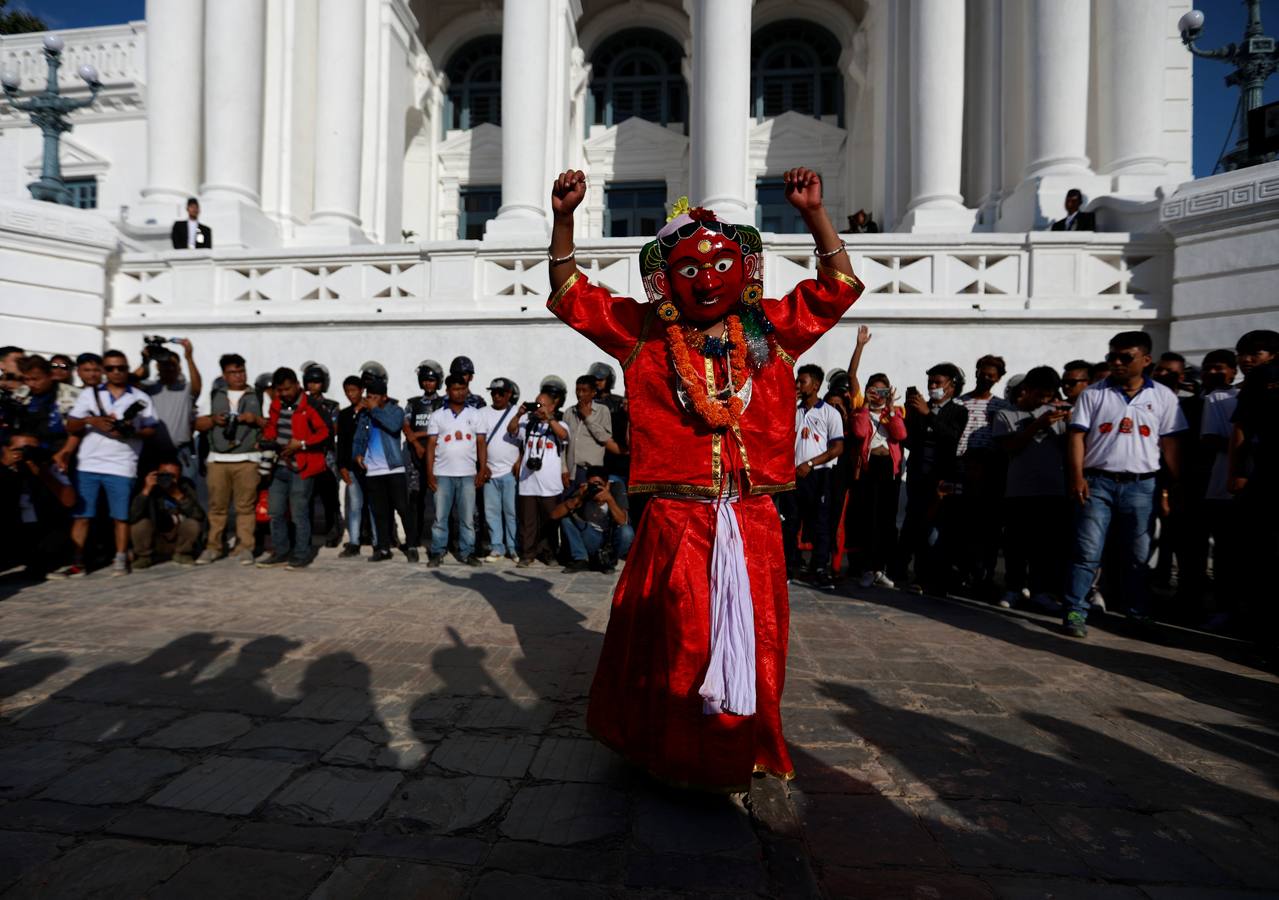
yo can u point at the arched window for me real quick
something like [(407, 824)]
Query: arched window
[(795, 67), (637, 73), (475, 83)]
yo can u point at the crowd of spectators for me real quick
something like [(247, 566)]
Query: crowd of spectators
[(1067, 489)]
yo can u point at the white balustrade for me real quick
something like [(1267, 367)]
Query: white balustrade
[(118, 52), (905, 275)]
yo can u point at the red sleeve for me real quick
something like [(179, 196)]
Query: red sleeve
[(809, 311), (897, 426), (861, 423), (612, 323), (272, 423)]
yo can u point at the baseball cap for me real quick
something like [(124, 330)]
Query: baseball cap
[(501, 384)]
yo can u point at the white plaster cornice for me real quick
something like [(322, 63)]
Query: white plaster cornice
[(1232, 198)]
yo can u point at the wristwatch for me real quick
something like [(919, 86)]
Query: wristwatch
[(303, 445)]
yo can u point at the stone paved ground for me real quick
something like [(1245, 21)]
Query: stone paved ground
[(386, 731)]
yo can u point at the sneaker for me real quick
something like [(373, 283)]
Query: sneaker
[(142, 562), (75, 570), (473, 561), (410, 553), (914, 588), (120, 565), (184, 559), (524, 563), (822, 579), (883, 581), (350, 551), (1076, 624), (1096, 600), (271, 562), (295, 564), (380, 556), (434, 561), (867, 579), (243, 557), (208, 556), (577, 565), (1010, 599), (494, 558)]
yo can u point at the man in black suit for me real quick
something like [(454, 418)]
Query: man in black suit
[(1075, 220), (188, 233)]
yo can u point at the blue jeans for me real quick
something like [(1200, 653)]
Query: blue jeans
[(460, 490), (1129, 508), (499, 509), (355, 511), (583, 540), (290, 494)]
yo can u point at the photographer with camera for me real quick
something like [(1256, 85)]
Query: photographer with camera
[(165, 518), (112, 420), (234, 428), (35, 501), (173, 398), (594, 522), (294, 431), (47, 404), (542, 478)]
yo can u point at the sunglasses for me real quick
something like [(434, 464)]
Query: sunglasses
[(115, 368), (59, 366), (1121, 358)]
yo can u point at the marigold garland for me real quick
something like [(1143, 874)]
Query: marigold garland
[(716, 413)]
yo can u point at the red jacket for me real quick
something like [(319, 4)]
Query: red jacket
[(310, 428), (864, 428)]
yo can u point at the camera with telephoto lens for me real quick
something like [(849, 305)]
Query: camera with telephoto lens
[(530, 406), (229, 429), (266, 462), (34, 453), (533, 463), (164, 480), (593, 491), (124, 425)]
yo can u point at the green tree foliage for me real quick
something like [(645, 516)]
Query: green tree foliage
[(19, 21)]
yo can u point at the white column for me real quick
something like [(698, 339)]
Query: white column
[(1060, 36), (936, 117), (719, 132), (1130, 43), (1054, 108), (526, 33), (234, 60), (235, 38), (175, 75), (339, 116)]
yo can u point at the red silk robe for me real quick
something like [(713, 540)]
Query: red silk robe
[(644, 700)]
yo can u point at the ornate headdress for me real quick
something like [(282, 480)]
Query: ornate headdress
[(684, 221)]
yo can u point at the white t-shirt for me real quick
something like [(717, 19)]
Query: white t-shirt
[(542, 444), (104, 455), (1219, 407), (503, 448), (455, 453), (1122, 435), (815, 428)]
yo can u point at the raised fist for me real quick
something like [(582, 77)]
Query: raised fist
[(803, 189), (567, 192)]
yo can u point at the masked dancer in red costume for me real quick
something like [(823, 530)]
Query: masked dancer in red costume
[(690, 679)]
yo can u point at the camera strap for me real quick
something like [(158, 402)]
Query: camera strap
[(497, 425)]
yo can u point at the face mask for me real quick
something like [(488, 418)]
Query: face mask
[(937, 395)]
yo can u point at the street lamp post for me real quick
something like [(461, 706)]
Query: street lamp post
[(49, 110), (1254, 60)]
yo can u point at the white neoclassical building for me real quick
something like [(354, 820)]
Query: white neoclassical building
[(376, 172)]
